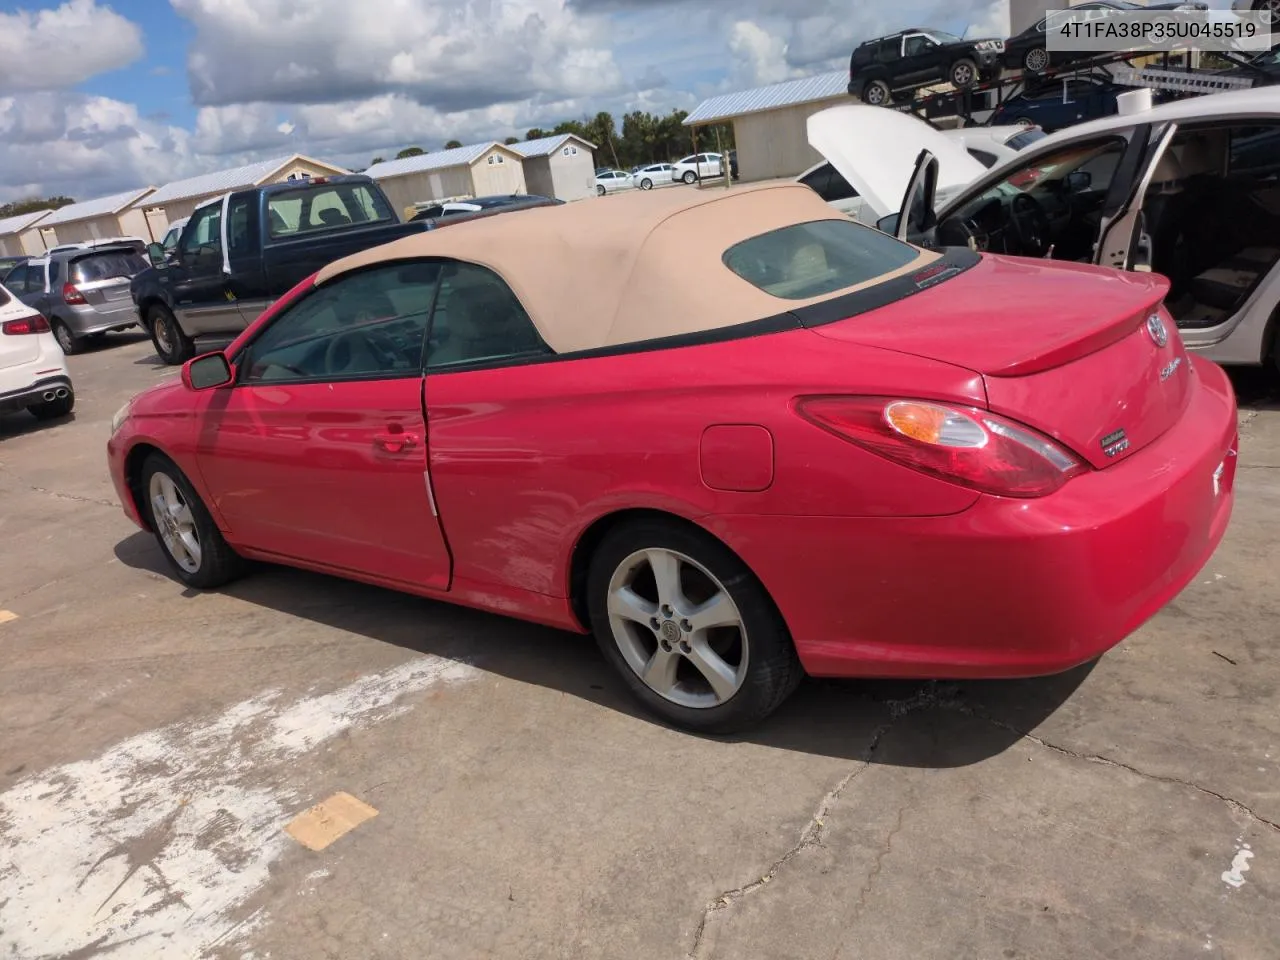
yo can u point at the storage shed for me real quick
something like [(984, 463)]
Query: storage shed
[(20, 235), (769, 123), (113, 216), (176, 200), (480, 170), (562, 166)]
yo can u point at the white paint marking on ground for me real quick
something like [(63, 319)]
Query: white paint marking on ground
[(152, 849), (1239, 866)]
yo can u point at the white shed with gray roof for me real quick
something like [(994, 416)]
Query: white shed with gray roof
[(176, 200), (115, 216), (480, 170), (20, 235), (561, 166), (769, 123)]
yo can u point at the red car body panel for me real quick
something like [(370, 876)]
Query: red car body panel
[(877, 568)]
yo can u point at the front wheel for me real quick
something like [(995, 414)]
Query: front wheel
[(1036, 60), (190, 540), (646, 184), (876, 93), (692, 632), (689, 176), (600, 191), (964, 73), (173, 346)]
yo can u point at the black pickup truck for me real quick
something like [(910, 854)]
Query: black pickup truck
[(240, 252)]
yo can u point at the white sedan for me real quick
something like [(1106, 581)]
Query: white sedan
[(611, 181), (33, 371), (654, 175), (697, 167)]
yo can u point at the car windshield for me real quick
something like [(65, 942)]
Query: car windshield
[(107, 266), (811, 259), (942, 37)]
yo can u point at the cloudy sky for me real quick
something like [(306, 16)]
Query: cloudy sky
[(98, 97)]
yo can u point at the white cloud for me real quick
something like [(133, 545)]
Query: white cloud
[(449, 54), (59, 48), (760, 55)]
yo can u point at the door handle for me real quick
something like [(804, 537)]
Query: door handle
[(395, 442)]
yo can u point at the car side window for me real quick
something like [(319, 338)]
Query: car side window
[(55, 275), (916, 45), (478, 319), (242, 231), (828, 184), (983, 157), (16, 281), (366, 325), (202, 241)]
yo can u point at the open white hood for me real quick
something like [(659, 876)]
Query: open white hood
[(875, 150)]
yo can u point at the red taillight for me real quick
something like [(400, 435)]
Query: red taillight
[(19, 328), (72, 296), (965, 445)]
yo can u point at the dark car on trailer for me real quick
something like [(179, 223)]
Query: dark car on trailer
[(886, 68)]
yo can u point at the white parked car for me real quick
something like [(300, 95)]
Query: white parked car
[(611, 181), (985, 145), (33, 370), (699, 166), (1185, 189), (654, 175)]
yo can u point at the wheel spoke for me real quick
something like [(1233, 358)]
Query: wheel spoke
[(660, 672), (190, 545), (629, 605), (718, 611), (722, 677), (666, 577)]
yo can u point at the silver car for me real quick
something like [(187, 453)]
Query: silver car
[(82, 293)]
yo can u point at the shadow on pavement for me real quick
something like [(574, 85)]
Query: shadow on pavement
[(838, 718)]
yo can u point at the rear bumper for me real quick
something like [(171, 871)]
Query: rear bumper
[(87, 321), (35, 393), (1006, 588)]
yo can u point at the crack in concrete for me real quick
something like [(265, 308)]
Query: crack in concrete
[(1231, 802), (811, 834), (69, 496)]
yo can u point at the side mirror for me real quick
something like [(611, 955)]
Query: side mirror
[(156, 254), (1079, 180), (207, 371), (888, 224)]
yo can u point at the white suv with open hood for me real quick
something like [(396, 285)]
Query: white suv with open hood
[(1189, 190)]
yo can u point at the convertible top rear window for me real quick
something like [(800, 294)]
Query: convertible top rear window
[(812, 259)]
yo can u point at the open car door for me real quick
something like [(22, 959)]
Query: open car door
[(915, 220), (1120, 235)]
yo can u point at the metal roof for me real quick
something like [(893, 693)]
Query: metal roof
[(23, 221), (219, 182), (95, 208), (545, 146), (457, 157), (822, 86)]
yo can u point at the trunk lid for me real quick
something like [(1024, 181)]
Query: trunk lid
[(1064, 348), (875, 150)]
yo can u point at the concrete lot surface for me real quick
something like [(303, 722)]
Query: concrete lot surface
[(155, 743)]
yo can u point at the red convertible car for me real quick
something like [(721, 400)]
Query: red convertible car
[(734, 434)]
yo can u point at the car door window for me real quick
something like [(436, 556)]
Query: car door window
[(17, 279), (914, 46), (202, 242), (479, 320), (362, 326), (242, 227), (55, 276)]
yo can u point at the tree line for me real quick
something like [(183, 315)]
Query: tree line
[(17, 208), (644, 138)]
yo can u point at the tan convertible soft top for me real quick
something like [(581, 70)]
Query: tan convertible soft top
[(622, 269)]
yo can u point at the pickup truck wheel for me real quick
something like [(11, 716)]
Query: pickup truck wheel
[(876, 93), (964, 73), (173, 346), (67, 340)]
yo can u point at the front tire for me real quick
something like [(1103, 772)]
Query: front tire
[(964, 73), (600, 191), (690, 629), (188, 537), (1036, 60), (67, 340), (173, 346)]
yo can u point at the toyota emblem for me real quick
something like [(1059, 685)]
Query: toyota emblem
[(1155, 327)]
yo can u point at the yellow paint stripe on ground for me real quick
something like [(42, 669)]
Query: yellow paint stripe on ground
[(7, 615), (328, 820)]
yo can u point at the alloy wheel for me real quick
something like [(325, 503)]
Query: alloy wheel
[(62, 334), (1270, 10), (962, 76), (678, 628), (174, 522), (1037, 59)]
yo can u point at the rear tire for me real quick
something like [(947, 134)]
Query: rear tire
[(188, 538), (964, 73), (173, 346), (876, 93), (1036, 60), (689, 176), (53, 409), (745, 644), (600, 191), (646, 184), (67, 340)]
